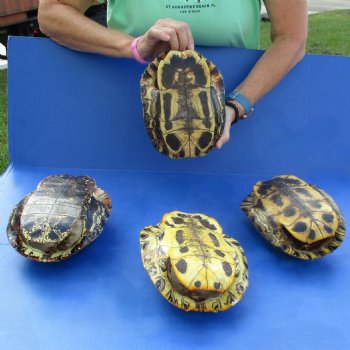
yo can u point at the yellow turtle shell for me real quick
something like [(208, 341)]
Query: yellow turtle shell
[(193, 264), (183, 104), (301, 219)]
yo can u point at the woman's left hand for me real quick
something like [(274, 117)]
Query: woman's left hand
[(230, 117)]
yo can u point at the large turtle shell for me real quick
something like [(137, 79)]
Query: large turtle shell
[(183, 104), (300, 219), (61, 217), (193, 264)]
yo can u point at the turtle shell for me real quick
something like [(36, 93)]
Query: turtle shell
[(301, 219), (183, 104), (193, 264), (62, 216)]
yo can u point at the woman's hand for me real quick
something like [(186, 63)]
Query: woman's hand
[(230, 116), (165, 34)]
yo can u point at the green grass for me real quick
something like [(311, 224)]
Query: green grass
[(3, 121), (329, 33)]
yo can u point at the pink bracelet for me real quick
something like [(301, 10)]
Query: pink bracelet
[(135, 53)]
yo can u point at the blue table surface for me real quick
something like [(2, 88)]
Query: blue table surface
[(103, 297), (80, 114)]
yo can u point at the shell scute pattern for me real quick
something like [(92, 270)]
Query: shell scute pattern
[(183, 104), (300, 219), (53, 207), (193, 264), (62, 216)]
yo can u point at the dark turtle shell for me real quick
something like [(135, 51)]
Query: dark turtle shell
[(300, 219), (59, 218), (183, 104)]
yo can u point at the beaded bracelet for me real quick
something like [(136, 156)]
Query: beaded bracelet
[(235, 108)]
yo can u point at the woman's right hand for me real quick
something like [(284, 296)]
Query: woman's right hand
[(163, 35)]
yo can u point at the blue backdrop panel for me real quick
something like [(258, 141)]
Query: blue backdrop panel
[(69, 112), (79, 110)]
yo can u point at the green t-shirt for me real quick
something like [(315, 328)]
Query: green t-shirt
[(232, 23)]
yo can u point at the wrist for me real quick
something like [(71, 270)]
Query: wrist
[(118, 43), (232, 111), (135, 50), (126, 49), (242, 102), (240, 108), (141, 49)]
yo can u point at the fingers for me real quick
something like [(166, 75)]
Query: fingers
[(174, 34), (190, 41), (223, 139), (177, 34), (155, 34), (174, 39), (230, 116), (150, 41), (184, 35)]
